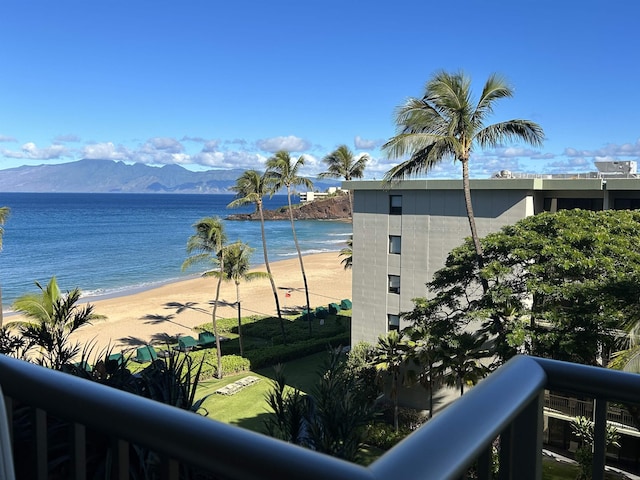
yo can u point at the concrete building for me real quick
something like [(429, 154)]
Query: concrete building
[(403, 234)]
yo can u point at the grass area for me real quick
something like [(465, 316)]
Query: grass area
[(248, 407), (554, 470)]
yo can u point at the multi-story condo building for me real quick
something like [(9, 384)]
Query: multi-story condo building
[(403, 233)]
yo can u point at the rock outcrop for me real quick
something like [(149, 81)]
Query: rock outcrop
[(335, 207)]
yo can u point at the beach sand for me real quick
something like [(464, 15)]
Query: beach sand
[(176, 308)]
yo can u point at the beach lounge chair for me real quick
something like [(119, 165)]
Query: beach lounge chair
[(322, 312), (334, 308), (346, 304), (186, 344), (145, 354), (206, 339), (117, 358)]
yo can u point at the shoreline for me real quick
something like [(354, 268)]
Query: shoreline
[(177, 307)]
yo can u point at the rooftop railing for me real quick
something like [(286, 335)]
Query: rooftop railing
[(507, 405)]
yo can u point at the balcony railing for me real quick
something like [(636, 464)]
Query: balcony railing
[(508, 404)]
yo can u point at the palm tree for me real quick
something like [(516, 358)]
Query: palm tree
[(284, 173), (236, 267), (51, 317), (389, 355), (251, 187), (347, 253), (462, 358), (206, 246), (444, 123), (4, 214), (425, 350), (341, 163)]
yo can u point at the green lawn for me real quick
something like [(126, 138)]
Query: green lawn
[(248, 407)]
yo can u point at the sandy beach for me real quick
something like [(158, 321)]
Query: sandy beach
[(176, 308)]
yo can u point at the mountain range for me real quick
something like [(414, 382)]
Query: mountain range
[(108, 176)]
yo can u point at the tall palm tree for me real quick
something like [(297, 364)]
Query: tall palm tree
[(341, 163), (284, 173), (252, 187), (236, 268), (51, 317), (389, 354), (4, 214), (206, 246), (445, 123)]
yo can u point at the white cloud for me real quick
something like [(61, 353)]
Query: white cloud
[(363, 144), (7, 138), (106, 151), (163, 144), (290, 143), (32, 152), (229, 159)]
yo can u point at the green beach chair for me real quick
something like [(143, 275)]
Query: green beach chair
[(334, 308), (206, 339), (322, 312), (146, 354), (186, 343), (346, 304)]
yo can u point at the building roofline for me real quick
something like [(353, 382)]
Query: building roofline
[(499, 184)]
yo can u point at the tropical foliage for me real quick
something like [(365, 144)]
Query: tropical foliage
[(342, 163), (206, 246), (237, 263), (283, 172), (51, 317), (252, 187), (446, 124), (561, 285)]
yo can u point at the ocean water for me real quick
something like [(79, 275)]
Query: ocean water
[(111, 244)]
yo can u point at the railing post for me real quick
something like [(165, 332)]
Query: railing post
[(521, 444), (599, 438)]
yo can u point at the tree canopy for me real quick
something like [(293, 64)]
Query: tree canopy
[(563, 285)]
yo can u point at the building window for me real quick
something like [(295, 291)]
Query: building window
[(395, 204), (394, 284), (393, 322), (394, 244)]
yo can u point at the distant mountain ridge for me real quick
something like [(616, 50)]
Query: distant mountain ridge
[(108, 176)]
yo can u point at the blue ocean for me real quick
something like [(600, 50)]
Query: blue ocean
[(111, 244)]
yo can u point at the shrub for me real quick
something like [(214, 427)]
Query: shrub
[(383, 436)]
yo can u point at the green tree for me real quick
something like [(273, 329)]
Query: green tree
[(331, 419), (252, 187), (347, 254), (462, 359), (284, 172), (206, 246), (583, 428), (51, 317), (341, 163), (561, 285), (389, 355), (4, 215), (446, 123), (426, 352), (237, 263)]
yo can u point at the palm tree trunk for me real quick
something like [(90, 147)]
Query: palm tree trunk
[(304, 275), (239, 318), (472, 221), (215, 323), (268, 267)]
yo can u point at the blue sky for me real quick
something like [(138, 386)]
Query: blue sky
[(211, 84)]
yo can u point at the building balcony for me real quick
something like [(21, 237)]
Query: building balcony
[(509, 405)]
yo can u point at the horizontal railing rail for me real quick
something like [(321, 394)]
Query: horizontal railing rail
[(507, 405)]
